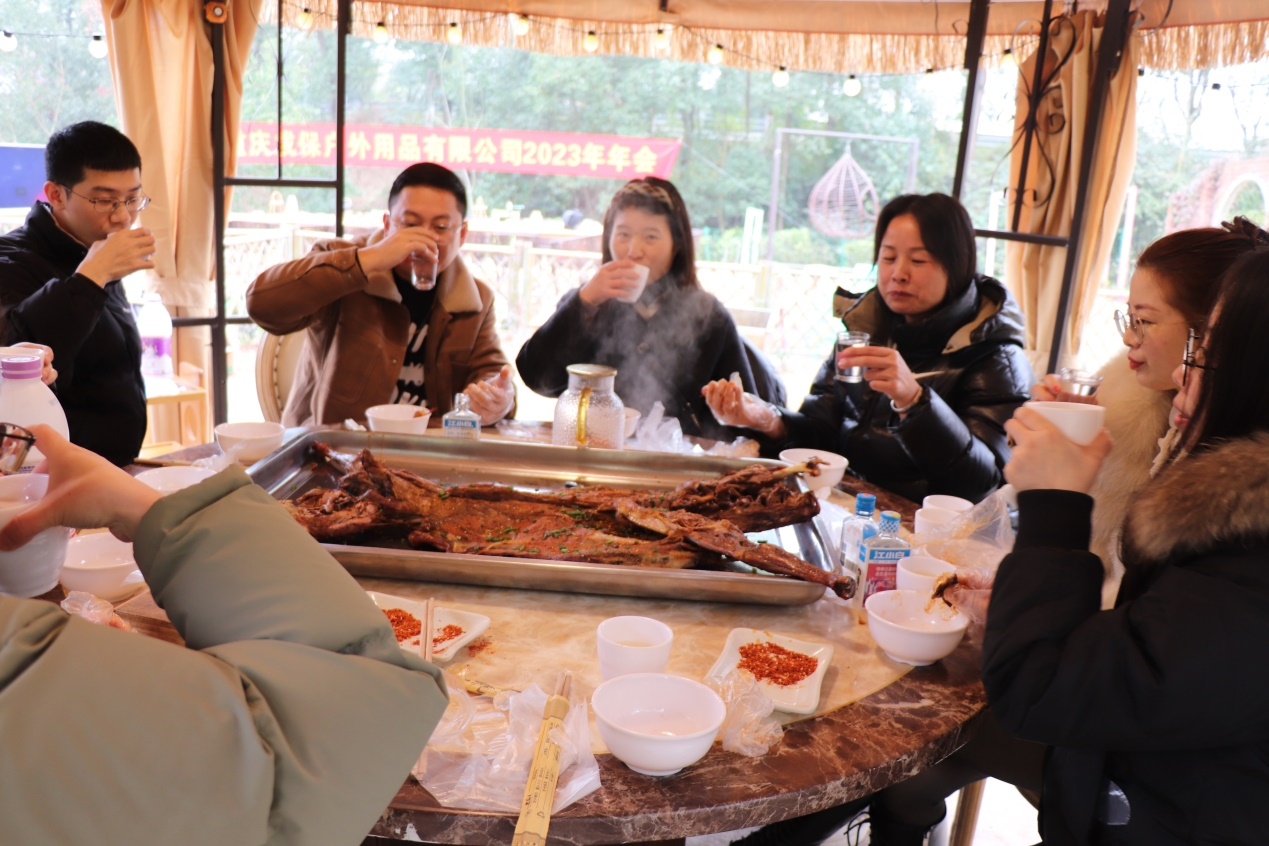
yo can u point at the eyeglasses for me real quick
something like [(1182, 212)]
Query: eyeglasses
[(1193, 352), (102, 205), (1127, 321), (440, 228)]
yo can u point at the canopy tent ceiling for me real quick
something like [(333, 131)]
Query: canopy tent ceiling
[(839, 36)]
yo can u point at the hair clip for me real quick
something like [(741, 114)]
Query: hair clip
[(1243, 226), (647, 189)]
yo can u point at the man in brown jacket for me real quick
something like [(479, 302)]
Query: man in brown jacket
[(393, 317)]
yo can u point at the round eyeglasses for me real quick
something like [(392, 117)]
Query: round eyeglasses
[(105, 205), (1126, 321)]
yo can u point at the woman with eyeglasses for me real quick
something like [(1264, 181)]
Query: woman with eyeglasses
[(644, 313), (1157, 711)]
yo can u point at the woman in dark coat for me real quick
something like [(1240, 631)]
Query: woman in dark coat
[(1157, 710), (944, 369), (666, 339)]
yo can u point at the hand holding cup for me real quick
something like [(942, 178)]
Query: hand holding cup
[(621, 279), (1044, 456)]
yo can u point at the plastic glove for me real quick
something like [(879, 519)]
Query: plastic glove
[(972, 594), (734, 407), (493, 397)]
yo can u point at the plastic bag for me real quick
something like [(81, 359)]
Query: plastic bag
[(79, 603), (980, 537), (748, 729), (485, 765)]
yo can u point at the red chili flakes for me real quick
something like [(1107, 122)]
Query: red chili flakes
[(448, 633), (404, 624), (772, 662), (479, 645)]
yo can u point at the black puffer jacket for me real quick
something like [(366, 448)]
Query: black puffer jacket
[(96, 346), (954, 441), (1165, 696)]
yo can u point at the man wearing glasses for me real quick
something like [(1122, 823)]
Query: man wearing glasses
[(392, 317), (59, 284)]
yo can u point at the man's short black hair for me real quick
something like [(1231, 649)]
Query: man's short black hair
[(87, 145), (433, 176)]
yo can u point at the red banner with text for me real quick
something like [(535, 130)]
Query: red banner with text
[(504, 150)]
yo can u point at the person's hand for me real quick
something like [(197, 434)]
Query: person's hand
[(1044, 458), (1047, 390), (48, 374), (492, 398), (393, 250), (972, 594), (733, 407), (85, 491), (614, 279), (886, 371), (117, 255)]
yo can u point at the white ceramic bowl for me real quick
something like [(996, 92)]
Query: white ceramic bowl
[(398, 419), (632, 421), (655, 723), (100, 564), (931, 519), (949, 503), (918, 572), (830, 473), (31, 569), (905, 631), (168, 480), (249, 442)]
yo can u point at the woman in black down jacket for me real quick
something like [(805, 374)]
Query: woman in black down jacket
[(1157, 710), (931, 313)]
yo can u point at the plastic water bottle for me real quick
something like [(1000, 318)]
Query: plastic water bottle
[(27, 401), (462, 422), (881, 555), (155, 325), (854, 529)]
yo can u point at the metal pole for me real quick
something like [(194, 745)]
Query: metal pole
[(1114, 38), (775, 196), (1033, 106), (343, 24), (219, 365), (974, 36)]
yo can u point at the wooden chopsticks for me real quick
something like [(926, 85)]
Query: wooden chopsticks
[(539, 791), (426, 644)]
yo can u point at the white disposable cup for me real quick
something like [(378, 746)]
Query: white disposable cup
[(1077, 420), (31, 569), (634, 295), (947, 503), (930, 519), (632, 645), (918, 572), (844, 340)]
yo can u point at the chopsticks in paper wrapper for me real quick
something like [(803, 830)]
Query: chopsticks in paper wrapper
[(539, 791)]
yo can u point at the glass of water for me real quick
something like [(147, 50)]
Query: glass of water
[(852, 375), (1077, 385)]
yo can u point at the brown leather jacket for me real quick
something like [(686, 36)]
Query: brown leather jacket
[(358, 329)]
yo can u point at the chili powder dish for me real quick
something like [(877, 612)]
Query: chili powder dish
[(773, 663)]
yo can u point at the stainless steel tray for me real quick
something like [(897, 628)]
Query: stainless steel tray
[(289, 472)]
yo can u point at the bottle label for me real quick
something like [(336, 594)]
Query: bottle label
[(461, 428), (881, 568)]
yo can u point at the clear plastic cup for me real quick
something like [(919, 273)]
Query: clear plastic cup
[(1077, 385), (424, 281)]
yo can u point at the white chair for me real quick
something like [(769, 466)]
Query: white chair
[(276, 360)]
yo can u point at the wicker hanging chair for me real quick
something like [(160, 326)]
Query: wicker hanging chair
[(843, 203)]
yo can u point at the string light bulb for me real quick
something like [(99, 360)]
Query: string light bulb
[(591, 42), (97, 47), (715, 55), (381, 33), (851, 86), (520, 25), (661, 40), (8, 41), (304, 20), (454, 35), (781, 77)]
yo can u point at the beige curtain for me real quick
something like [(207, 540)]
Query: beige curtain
[(1034, 273), (161, 61)]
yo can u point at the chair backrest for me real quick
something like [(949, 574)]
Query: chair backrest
[(276, 361)]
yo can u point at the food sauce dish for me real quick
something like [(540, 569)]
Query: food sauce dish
[(800, 697), (470, 626)]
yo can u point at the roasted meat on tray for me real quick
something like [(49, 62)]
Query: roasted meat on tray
[(701, 524)]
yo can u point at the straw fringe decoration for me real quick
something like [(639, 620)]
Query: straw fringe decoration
[(1171, 48)]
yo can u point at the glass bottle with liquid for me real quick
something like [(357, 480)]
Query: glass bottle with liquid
[(855, 528), (589, 413), (881, 555), (461, 422)]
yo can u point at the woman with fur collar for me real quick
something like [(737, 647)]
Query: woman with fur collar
[(1157, 715), (1172, 290)]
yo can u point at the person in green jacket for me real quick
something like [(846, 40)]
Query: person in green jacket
[(291, 716)]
